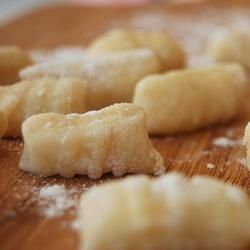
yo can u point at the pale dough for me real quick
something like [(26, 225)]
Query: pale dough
[(168, 213), (169, 53), (20, 101), (231, 45), (186, 100), (12, 60), (247, 144), (3, 124), (111, 78), (113, 139)]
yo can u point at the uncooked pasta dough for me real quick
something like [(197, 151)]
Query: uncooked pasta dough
[(167, 213), (169, 53), (232, 46), (247, 143), (12, 60), (20, 101), (111, 78), (186, 100), (113, 139)]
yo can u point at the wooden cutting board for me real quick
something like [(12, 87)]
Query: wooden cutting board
[(23, 224)]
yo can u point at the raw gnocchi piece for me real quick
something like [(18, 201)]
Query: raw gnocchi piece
[(231, 45), (247, 144), (20, 101), (167, 213), (3, 124), (12, 60), (186, 100), (111, 78), (169, 53), (113, 139)]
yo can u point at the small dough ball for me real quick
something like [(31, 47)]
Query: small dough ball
[(232, 46), (113, 139), (21, 100), (186, 100), (111, 78), (247, 144), (12, 60), (170, 213), (169, 53), (3, 124)]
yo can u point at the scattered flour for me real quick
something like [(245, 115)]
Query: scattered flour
[(75, 224), (242, 161), (210, 165), (226, 142), (55, 199)]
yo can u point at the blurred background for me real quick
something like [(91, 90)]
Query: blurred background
[(11, 8)]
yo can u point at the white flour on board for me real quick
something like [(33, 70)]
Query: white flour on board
[(226, 142), (210, 165), (243, 162), (55, 199)]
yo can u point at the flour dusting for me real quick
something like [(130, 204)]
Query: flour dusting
[(210, 165), (243, 162), (55, 199), (226, 142)]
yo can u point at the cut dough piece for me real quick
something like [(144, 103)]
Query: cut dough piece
[(247, 143), (111, 78), (3, 124), (167, 213), (186, 100), (12, 60), (169, 53), (113, 139), (231, 45), (21, 100)]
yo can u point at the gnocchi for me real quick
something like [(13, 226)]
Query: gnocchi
[(12, 60), (247, 143), (186, 100), (170, 213), (20, 101), (231, 45), (169, 53), (113, 139), (111, 78)]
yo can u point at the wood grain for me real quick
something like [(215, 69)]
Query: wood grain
[(22, 225)]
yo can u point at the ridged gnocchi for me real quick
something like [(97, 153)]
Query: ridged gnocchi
[(167, 213), (231, 46), (12, 60), (186, 100), (247, 144), (110, 78), (169, 53), (113, 139), (21, 100)]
